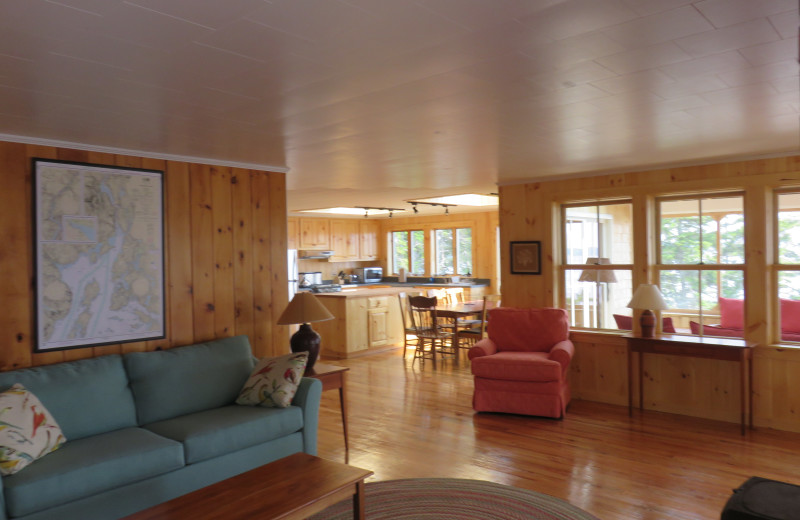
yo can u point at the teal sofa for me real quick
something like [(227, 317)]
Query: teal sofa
[(145, 427)]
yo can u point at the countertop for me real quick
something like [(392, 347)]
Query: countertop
[(387, 288)]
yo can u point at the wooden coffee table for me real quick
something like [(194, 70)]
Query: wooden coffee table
[(294, 487)]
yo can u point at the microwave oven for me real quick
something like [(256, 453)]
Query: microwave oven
[(369, 274)]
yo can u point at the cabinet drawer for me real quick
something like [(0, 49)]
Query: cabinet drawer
[(376, 302)]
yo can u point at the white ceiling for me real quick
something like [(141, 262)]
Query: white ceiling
[(373, 102)]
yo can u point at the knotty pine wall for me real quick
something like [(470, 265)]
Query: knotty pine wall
[(697, 387), (225, 246)]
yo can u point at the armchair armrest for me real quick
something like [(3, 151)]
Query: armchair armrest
[(562, 352), (484, 347)]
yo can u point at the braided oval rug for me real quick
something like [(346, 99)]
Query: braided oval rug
[(453, 499)]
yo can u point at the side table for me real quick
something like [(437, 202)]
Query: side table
[(334, 377)]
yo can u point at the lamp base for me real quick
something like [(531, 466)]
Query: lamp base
[(306, 339), (648, 323)]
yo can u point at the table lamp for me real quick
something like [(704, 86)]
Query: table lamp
[(597, 275), (649, 298), (304, 309)]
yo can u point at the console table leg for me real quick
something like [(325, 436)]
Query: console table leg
[(358, 501)]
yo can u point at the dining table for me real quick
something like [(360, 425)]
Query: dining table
[(459, 310)]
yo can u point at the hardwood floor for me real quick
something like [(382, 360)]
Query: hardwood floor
[(409, 422)]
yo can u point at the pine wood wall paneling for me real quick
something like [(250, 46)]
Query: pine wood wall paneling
[(713, 387), (222, 217), (279, 343), (178, 272), (189, 237), (243, 252), (202, 252), (262, 291), (16, 257)]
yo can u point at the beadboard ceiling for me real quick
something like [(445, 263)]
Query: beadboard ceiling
[(374, 102)]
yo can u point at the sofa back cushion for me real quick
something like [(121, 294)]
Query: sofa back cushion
[(185, 380), (731, 313), (85, 397), (790, 316), (527, 330)]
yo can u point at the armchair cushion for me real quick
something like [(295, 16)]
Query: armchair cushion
[(527, 330), (518, 366)]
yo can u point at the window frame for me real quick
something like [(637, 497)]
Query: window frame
[(408, 232), (778, 266), (453, 251), (565, 266), (659, 267)]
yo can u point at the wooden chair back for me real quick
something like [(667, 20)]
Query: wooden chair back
[(455, 295), (423, 314)]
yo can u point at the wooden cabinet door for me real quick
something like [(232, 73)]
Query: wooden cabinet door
[(357, 325), (314, 233), (291, 237), (344, 239), (378, 327), (368, 238)]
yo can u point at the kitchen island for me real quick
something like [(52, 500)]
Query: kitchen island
[(367, 318)]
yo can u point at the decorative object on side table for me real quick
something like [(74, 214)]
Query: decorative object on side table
[(304, 309), (649, 298)]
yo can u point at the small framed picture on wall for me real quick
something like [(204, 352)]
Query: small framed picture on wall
[(526, 257)]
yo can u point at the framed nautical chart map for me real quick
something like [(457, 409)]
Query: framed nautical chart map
[(99, 259)]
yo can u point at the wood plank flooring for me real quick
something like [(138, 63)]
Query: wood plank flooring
[(408, 422)]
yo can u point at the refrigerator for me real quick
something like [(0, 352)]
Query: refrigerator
[(293, 276)]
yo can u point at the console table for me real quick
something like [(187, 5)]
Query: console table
[(333, 377), (726, 349)]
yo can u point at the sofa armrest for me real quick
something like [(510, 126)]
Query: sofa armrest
[(562, 352), (484, 347), (308, 397)]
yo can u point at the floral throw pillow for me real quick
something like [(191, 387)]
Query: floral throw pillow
[(27, 430), (274, 381)]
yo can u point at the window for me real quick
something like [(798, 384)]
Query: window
[(408, 251), (453, 251), (788, 269), (701, 263), (598, 252)]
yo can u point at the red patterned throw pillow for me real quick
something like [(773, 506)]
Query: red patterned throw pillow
[(274, 381)]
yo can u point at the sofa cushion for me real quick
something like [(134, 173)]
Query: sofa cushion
[(86, 397), (790, 315), (527, 329), (89, 466), (186, 380), (731, 313), (716, 330), (212, 433), (517, 366), (28, 430), (274, 381)]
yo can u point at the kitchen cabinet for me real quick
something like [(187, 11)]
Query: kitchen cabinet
[(365, 321), (344, 240), (314, 233), (291, 235), (368, 239)]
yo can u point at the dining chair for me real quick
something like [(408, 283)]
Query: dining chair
[(428, 329), (408, 330), (468, 337)]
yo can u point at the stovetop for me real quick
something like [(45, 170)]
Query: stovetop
[(325, 288)]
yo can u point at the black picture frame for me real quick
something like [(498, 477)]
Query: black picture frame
[(526, 257), (99, 259)]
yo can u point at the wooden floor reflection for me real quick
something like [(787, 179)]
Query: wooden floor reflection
[(407, 422)]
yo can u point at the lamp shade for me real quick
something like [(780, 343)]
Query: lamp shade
[(648, 296), (304, 308), (597, 275)]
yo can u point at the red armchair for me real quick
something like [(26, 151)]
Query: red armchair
[(521, 367)]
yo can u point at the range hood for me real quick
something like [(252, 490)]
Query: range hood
[(314, 255)]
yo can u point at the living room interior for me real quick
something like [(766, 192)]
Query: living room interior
[(600, 127)]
